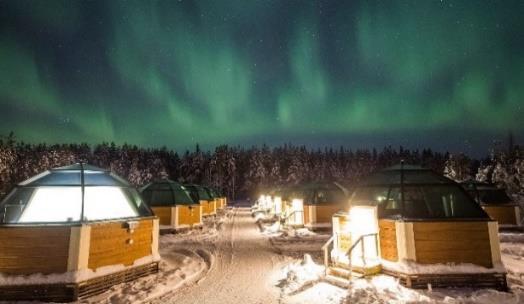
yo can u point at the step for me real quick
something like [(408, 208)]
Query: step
[(337, 281), (343, 272)]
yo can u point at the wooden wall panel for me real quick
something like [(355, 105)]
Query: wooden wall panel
[(110, 243), (184, 215), (505, 215), (325, 213), (388, 240), (195, 215), (452, 242), (307, 216), (208, 207), (164, 214), (27, 250), (205, 207)]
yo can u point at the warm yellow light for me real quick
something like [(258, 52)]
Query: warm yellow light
[(297, 206), (363, 220), (278, 204)]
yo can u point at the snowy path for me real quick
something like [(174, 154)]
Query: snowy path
[(241, 269)]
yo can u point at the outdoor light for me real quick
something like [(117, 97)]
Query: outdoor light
[(363, 221), (269, 202), (277, 202), (297, 206)]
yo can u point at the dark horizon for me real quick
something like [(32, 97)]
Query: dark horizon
[(326, 144)]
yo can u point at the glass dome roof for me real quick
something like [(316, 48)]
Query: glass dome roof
[(198, 192), (166, 193), (75, 193), (415, 193), (488, 194), (72, 176), (325, 193)]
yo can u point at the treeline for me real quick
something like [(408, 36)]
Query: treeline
[(240, 172)]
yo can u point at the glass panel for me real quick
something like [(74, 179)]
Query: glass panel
[(101, 179), (64, 178), (202, 194), (142, 208), (161, 198), (182, 197), (451, 202), (192, 191), (495, 196), (146, 194), (107, 203), (329, 197), (370, 196), (64, 204), (53, 204), (14, 204)]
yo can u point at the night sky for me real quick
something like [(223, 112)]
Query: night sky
[(443, 74)]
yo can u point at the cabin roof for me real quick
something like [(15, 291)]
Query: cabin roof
[(407, 191), (72, 194), (75, 175), (198, 192), (165, 192)]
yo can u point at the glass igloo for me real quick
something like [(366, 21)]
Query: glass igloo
[(72, 193), (413, 192)]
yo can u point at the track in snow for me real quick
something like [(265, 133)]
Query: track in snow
[(241, 270)]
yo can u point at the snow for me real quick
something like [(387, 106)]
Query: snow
[(386, 289), (235, 259), (411, 267), (301, 285), (300, 274), (72, 276)]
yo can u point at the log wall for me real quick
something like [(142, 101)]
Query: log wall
[(27, 250), (504, 215), (163, 214), (388, 240), (325, 213), (452, 242), (112, 243)]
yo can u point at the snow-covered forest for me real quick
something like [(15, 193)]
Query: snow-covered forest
[(240, 172)]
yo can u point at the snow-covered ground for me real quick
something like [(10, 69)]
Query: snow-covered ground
[(242, 270), (235, 259), (300, 282)]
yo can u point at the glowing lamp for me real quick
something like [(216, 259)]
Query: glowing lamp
[(359, 225), (297, 206), (277, 203), (363, 220)]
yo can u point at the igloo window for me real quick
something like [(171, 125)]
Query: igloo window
[(64, 204), (55, 204)]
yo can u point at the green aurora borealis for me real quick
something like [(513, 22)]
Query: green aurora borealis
[(174, 73)]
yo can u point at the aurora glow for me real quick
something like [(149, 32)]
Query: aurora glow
[(154, 73)]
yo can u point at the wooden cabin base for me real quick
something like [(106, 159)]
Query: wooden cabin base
[(319, 226), (67, 292), (473, 280), (504, 214)]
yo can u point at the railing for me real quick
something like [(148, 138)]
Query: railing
[(328, 246), (327, 252), (360, 241), (294, 213)]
